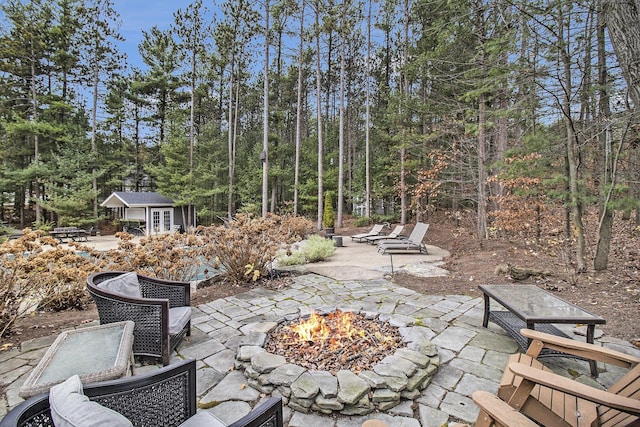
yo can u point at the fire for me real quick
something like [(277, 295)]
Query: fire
[(332, 328), (338, 340)]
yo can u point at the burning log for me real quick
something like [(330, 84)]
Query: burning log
[(339, 340)]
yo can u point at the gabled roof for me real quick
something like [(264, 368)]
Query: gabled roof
[(131, 199)]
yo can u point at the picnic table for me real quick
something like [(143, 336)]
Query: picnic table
[(74, 233)]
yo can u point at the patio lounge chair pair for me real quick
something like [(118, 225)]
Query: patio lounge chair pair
[(375, 231), (412, 243), (159, 308), (396, 234), (162, 398), (531, 391)]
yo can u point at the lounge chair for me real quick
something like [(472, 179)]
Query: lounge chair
[(164, 397), (394, 235), (375, 230), (554, 400), (160, 309), (412, 243)]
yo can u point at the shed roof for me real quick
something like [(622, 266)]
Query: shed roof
[(131, 199)]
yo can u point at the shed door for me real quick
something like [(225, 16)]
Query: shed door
[(161, 220)]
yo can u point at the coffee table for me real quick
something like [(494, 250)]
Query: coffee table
[(528, 306), (95, 353)]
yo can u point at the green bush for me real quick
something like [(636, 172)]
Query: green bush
[(294, 258), (328, 215), (317, 248), (363, 220), (391, 218)]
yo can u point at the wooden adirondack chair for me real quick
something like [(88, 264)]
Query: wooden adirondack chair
[(554, 400), (496, 413)]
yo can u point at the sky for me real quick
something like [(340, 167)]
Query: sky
[(138, 15)]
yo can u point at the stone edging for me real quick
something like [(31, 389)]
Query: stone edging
[(398, 377)]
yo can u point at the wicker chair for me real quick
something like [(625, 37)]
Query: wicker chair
[(150, 313), (164, 398)]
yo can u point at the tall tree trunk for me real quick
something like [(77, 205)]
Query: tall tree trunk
[(192, 115), (605, 226), (319, 106), (482, 169), (482, 129), (192, 130), (265, 139), (296, 184), (36, 141), (573, 156), (405, 114), (623, 22), (234, 144), (94, 125), (367, 123), (231, 138), (341, 130)]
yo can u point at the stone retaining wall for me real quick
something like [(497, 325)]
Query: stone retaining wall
[(398, 377)]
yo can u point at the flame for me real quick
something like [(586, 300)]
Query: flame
[(317, 328)]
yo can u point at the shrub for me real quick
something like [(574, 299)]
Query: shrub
[(391, 218), (16, 301), (247, 246), (166, 256), (363, 220), (317, 248), (294, 258), (297, 227), (36, 272), (328, 215)]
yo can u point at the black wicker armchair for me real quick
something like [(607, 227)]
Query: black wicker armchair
[(163, 398), (166, 397), (159, 314)]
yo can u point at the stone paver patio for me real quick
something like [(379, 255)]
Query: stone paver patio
[(471, 357)]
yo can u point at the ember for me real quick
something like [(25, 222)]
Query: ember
[(339, 340)]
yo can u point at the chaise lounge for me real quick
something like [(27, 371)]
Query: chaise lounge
[(375, 231), (396, 235), (412, 243)]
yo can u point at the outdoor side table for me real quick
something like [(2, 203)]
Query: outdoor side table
[(528, 306), (95, 353)]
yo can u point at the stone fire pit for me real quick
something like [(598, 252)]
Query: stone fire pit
[(400, 376)]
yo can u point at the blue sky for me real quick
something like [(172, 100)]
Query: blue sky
[(138, 15)]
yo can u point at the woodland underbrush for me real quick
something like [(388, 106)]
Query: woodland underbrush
[(38, 273)]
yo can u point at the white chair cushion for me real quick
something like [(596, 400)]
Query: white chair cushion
[(125, 284), (203, 419), (178, 318), (71, 408)]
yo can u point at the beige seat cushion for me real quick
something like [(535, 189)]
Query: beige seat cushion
[(71, 408), (125, 284), (203, 419), (178, 318)]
